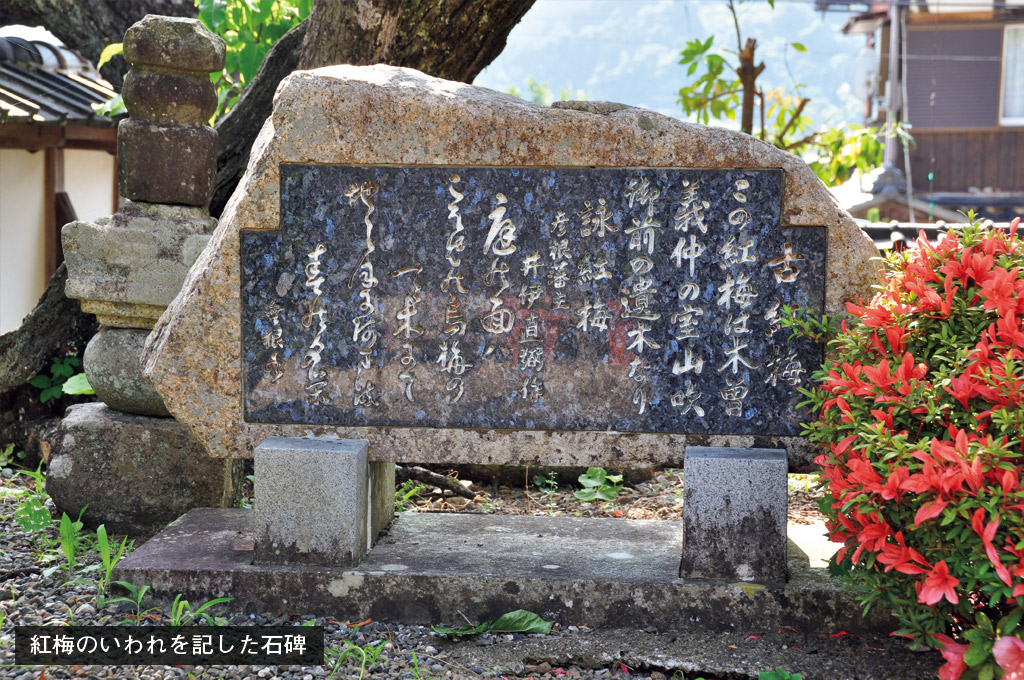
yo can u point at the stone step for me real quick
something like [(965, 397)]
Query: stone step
[(433, 568)]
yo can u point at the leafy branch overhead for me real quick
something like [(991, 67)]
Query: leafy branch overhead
[(249, 29), (724, 81)]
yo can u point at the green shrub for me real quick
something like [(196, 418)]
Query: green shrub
[(922, 418)]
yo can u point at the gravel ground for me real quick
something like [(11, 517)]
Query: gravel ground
[(33, 593), (661, 497)]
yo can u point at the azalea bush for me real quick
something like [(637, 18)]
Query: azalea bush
[(921, 418)]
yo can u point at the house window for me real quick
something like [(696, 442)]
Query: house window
[(1012, 109)]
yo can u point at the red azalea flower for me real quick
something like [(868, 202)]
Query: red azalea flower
[(902, 558), (953, 653), (1010, 330), (872, 316), (987, 533), (998, 291), (939, 584), (1009, 654)]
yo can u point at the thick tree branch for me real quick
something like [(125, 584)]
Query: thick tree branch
[(453, 39), (55, 328), (405, 473)]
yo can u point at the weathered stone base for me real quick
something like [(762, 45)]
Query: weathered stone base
[(319, 501), (134, 473), (112, 366), (435, 567), (126, 268), (734, 514)]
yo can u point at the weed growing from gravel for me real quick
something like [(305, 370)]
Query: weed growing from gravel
[(32, 514), (416, 669), (182, 612), (598, 484), (135, 597), (110, 560), (367, 656), (548, 485), (72, 539)]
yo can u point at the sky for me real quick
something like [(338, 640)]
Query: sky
[(628, 50)]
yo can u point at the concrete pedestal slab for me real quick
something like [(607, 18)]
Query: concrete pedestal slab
[(432, 568)]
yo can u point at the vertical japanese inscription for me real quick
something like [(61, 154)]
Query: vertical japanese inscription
[(364, 324), (632, 299), (452, 364), (316, 318), (640, 285)]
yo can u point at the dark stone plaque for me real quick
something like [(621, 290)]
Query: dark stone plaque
[(628, 299)]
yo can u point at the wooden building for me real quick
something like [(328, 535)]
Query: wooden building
[(959, 82), (57, 163)]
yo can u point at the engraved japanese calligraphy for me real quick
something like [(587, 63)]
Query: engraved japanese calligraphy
[(627, 299)]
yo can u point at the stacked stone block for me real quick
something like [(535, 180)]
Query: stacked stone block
[(166, 151), (133, 466)]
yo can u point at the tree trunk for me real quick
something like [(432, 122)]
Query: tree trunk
[(452, 39), (238, 129), (88, 26), (748, 74), (55, 328)]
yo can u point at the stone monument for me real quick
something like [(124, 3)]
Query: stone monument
[(135, 467), (441, 273)]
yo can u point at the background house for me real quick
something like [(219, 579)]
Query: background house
[(958, 79), (57, 162)]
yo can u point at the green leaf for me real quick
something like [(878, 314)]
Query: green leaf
[(41, 381), (108, 53), (213, 13), (32, 516), (984, 623), (111, 108), (978, 653), (50, 393), (518, 621), (249, 60), (1009, 623), (77, 384), (103, 543), (521, 621), (799, 47)]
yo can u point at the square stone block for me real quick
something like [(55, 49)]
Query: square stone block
[(734, 514), (312, 501), (166, 163)]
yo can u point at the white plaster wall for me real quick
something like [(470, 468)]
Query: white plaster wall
[(22, 236), (89, 180)]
